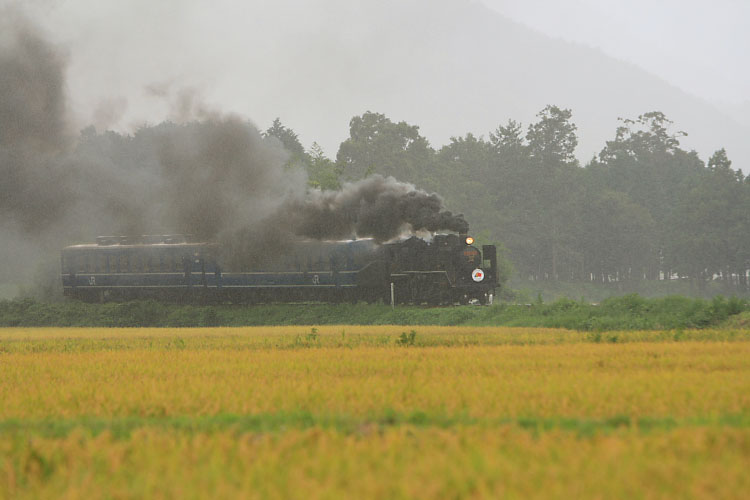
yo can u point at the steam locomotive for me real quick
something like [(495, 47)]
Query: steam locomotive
[(447, 269)]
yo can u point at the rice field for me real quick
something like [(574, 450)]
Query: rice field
[(375, 411)]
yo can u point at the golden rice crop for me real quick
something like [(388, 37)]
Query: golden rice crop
[(592, 380), (403, 462), (158, 412)]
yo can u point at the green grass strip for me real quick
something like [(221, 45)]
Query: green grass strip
[(629, 312), (123, 427)]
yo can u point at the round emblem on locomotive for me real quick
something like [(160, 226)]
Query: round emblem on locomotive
[(477, 275)]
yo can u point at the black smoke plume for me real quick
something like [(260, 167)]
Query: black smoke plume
[(33, 127), (377, 207), (210, 174)]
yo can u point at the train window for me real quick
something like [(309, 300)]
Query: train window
[(112, 263), (122, 263), (146, 263), (81, 263), (101, 263), (166, 262)]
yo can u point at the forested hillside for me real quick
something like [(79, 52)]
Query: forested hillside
[(642, 209)]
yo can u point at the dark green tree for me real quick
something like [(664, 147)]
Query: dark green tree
[(554, 186), (711, 221), (322, 172), (289, 140), (461, 173), (378, 145), (616, 237), (552, 140), (645, 162)]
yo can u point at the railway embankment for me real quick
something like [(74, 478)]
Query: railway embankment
[(630, 312)]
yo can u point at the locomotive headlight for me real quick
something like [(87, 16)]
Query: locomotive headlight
[(469, 240)]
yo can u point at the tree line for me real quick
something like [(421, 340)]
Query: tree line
[(642, 209)]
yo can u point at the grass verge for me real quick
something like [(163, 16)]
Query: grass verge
[(630, 312)]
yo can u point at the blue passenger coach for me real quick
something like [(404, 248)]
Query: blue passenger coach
[(173, 268)]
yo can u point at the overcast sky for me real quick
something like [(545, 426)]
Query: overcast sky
[(700, 46), (236, 54)]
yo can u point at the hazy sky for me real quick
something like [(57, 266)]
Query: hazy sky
[(317, 63), (700, 46)]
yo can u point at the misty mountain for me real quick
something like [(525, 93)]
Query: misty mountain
[(448, 66), (453, 66)]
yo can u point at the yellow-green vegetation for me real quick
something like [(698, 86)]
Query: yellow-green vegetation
[(380, 411)]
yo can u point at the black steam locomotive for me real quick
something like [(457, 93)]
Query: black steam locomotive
[(445, 270)]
